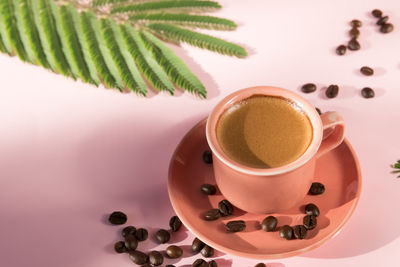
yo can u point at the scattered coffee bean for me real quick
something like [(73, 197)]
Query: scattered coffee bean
[(318, 110), (341, 50), (299, 232), (169, 265), (212, 215), (212, 263), (332, 91), (376, 13), (235, 226), (308, 88), (162, 236), (141, 234), (260, 265), (367, 92), (156, 258), (367, 71), (119, 247), (316, 189), (286, 232), (175, 223), (208, 189), (386, 28), (199, 263), (207, 251), (129, 230), (310, 222), (311, 209), (138, 257), (269, 224), (382, 20), (353, 45), (117, 217), (207, 157), (131, 242), (354, 32), (356, 23), (225, 207), (197, 245), (174, 252)]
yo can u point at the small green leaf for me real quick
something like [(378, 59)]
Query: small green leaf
[(396, 165), (106, 2)]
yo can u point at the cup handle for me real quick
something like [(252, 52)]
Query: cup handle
[(333, 126)]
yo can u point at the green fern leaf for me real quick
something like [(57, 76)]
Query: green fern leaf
[(49, 37), (10, 24), (207, 22), (174, 33), (29, 33), (144, 60), (2, 47), (109, 36), (172, 5), (3, 36), (174, 66), (106, 2)]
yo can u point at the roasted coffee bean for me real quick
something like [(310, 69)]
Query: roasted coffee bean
[(117, 217), (269, 224), (169, 265), (207, 157), (212, 263), (141, 234), (129, 230), (197, 245), (175, 223), (310, 222), (341, 50), (299, 232), (367, 92), (308, 88), (356, 23), (174, 252), (225, 207), (332, 91), (212, 215), (162, 236), (316, 189), (260, 265), (354, 33), (138, 257), (367, 71), (376, 13), (208, 189), (318, 110), (382, 20), (199, 263), (386, 28), (156, 258), (235, 226), (119, 247), (311, 209), (131, 242), (353, 45), (286, 232), (207, 251)]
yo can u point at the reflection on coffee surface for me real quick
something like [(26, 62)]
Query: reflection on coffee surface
[(264, 131)]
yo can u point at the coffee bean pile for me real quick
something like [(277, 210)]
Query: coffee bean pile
[(382, 22)]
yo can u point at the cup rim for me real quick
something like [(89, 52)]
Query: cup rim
[(236, 96)]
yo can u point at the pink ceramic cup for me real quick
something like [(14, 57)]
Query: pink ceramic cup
[(272, 190)]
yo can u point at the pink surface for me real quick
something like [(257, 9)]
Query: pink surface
[(71, 153)]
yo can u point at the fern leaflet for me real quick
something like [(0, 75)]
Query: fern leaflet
[(172, 5), (106, 2)]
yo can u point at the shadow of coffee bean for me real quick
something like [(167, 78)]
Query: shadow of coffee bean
[(283, 220), (252, 226), (223, 262), (178, 236), (322, 222)]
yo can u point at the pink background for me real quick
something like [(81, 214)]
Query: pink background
[(72, 153)]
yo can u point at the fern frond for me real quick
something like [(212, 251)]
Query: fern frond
[(10, 23), (115, 51), (49, 37), (3, 36), (29, 33), (144, 60), (174, 33), (106, 2), (173, 65), (172, 5), (2, 47), (207, 22)]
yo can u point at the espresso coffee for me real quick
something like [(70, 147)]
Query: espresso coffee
[(264, 131)]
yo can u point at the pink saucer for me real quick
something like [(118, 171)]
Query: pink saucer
[(338, 170)]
